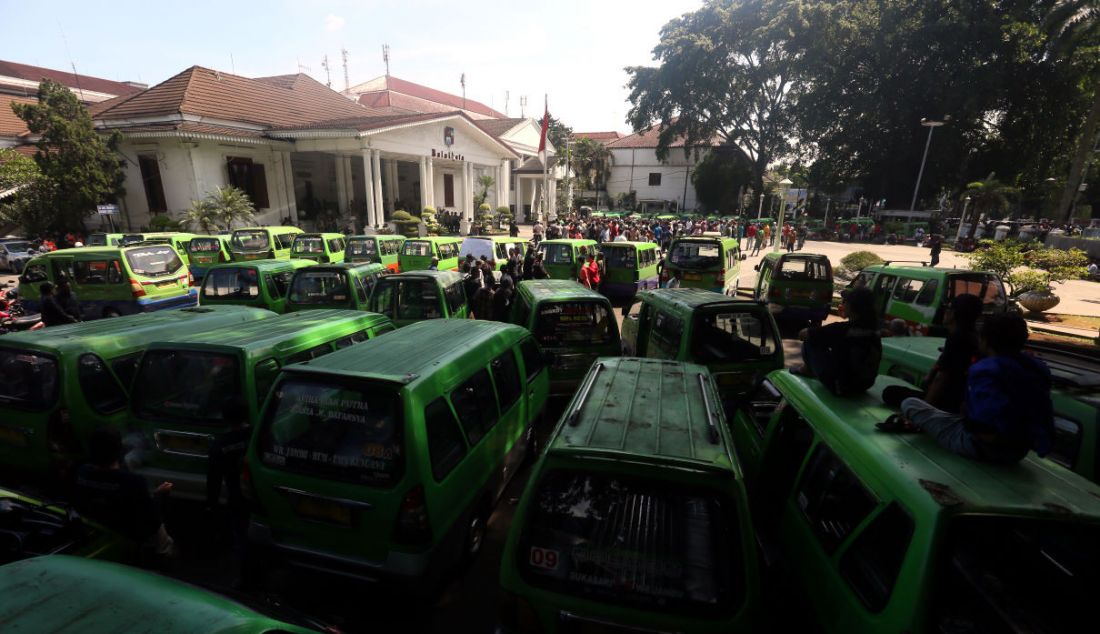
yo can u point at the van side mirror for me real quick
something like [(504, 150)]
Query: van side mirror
[(756, 268)]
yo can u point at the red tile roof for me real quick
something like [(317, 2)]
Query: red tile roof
[(185, 127), (412, 96), (602, 137), (10, 124), (648, 139), (66, 78), (279, 101), (497, 127)]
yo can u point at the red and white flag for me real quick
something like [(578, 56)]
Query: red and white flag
[(545, 127)]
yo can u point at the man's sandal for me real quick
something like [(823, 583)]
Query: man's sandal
[(896, 424)]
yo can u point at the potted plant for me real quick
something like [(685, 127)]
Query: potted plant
[(1033, 286)]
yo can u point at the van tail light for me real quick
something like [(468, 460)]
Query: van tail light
[(720, 277), (190, 279), (135, 288), (664, 275), (413, 526), (515, 614)]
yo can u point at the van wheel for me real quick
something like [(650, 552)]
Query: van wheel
[(475, 532), (111, 312), (533, 446)]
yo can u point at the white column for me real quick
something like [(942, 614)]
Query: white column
[(424, 181), (376, 174), (552, 201), (431, 183), (520, 215), (292, 198), (368, 189), (341, 184), (505, 184), (468, 190)]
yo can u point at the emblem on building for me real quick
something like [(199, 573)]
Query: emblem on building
[(448, 136)]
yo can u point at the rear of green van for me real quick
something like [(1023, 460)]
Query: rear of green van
[(205, 252), (573, 333)]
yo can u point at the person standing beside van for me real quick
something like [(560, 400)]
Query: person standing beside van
[(844, 356), (53, 313), (935, 248), (68, 299), (482, 302)]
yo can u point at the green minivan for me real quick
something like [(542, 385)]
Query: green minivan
[(410, 297), (892, 533), (381, 249), (59, 593), (417, 253), (258, 283), (563, 258), (191, 386), (797, 287), (345, 285), (207, 251), (325, 248), (572, 325), (112, 281), (59, 384), (384, 461), (262, 243), (494, 248), (32, 527), (635, 518), (737, 339), (631, 267), (708, 262)]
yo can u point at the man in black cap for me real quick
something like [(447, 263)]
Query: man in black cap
[(845, 356)]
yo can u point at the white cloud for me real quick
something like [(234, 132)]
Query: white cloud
[(334, 22)]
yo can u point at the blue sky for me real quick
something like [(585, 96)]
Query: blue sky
[(573, 50)]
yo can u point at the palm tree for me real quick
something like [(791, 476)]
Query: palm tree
[(220, 209), (988, 196), (1071, 25), (590, 161)]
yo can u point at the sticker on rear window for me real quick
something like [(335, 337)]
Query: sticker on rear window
[(544, 558)]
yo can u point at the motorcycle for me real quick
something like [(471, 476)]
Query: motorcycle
[(13, 317)]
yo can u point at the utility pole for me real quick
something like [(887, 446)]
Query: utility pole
[(506, 97), (347, 82), (328, 75), (386, 58), (523, 107), (462, 81)]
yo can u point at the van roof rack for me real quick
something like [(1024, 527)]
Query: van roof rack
[(575, 415), (712, 429), (920, 262)]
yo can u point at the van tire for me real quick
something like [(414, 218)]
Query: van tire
[(477, 529), (531, 453), (111, 312)]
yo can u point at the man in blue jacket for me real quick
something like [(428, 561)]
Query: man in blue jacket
[(1007, 411)]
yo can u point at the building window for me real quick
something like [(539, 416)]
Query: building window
[(150, 179), (250, 178), (654, 179), (448, 190)]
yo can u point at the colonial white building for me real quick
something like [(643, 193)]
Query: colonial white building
[(308, 155), (636, 168)]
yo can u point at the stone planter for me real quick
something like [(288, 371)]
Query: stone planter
[(1037, 302)]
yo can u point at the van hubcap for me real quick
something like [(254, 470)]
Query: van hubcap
[(477, 535)]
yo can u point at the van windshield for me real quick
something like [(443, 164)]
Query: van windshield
[(153, 261), (319, 287), (619, 257), (728, 335), (28, 380), (231, 283), (556, 253), (696, 254), (416, 247), (362, 248), (984, 285), (407, 299), (477, 247), (573, 323), (308, 245), (633, 541), (804, 269), (187, 386), (351, 432), (250, 240), (204, 245), (1017, 575)]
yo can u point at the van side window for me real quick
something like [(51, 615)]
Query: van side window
[(34, 273), (456, 297), (312, 353), (665, 337), (506, 376), (871, 564), (264, 374), (476, 406), (927, 294), (126, 367), (336, 245), (278, 284), (97, 272), (361, 290), (532, 359), (832, 499), (446, 448), (907, 290), (100, 388)]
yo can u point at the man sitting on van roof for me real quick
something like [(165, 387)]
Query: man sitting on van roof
[(845, 356), (1008, 410)]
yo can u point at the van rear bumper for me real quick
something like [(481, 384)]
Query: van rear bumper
[(798, 313), (180, 301)]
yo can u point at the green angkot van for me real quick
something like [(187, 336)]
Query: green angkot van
[(60, 593), (494, 248), (635, 518), (207, 251), (737, 340), (707, 262), (178, 240), (258, 283), (384, 461), (631, 267), (34, 527), (381, 249), (344, 285), (417, 253), (919, 295), (573, 325), (262, 243), (797, 287), (112, 281), (104, 239), (890, 532), (1075, 382), (325, 248), (190, 387), (410, 297), (59, 384), (563, 258)]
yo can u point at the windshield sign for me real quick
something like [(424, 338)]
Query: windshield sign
[(153, 261)]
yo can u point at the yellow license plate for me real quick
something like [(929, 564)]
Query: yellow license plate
[(204, 260), (692, 276), (14, 436), (178, 443), (733, 380), (323, 510), (165, 284)]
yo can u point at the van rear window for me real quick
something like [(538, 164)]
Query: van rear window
[(97, 240), (204, 245), (631, 541), (573, 323), (406, 298), (698, 255), (727, 336), (619, 257), (250, 240), (804, 269), (231, 283), (417, 248), (153, 261), (362, 248), (308, 245), (28, 380), (556, 253), (319, 287), (340, 431), (188, 386), (984, 285), (1017, 575)]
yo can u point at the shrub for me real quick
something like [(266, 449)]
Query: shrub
[(1028, 280), (855, 262), (400, 216)]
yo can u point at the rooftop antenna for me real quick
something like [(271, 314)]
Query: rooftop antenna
[(347, 82), (328, 76), (302, 68), (523, 106), (506, 97), (76, 76), (463, 82), (232, 64), (386, 58)]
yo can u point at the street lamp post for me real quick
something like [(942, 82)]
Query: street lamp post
[(962, 220), (931, 125), (784, 187)]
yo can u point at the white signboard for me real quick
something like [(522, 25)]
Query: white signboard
[(107, 210)]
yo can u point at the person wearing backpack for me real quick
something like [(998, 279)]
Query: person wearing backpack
[(845, 356)]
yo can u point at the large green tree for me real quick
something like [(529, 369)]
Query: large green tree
[(591, 161), (79, 167), (725, 72), (719, 178)]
